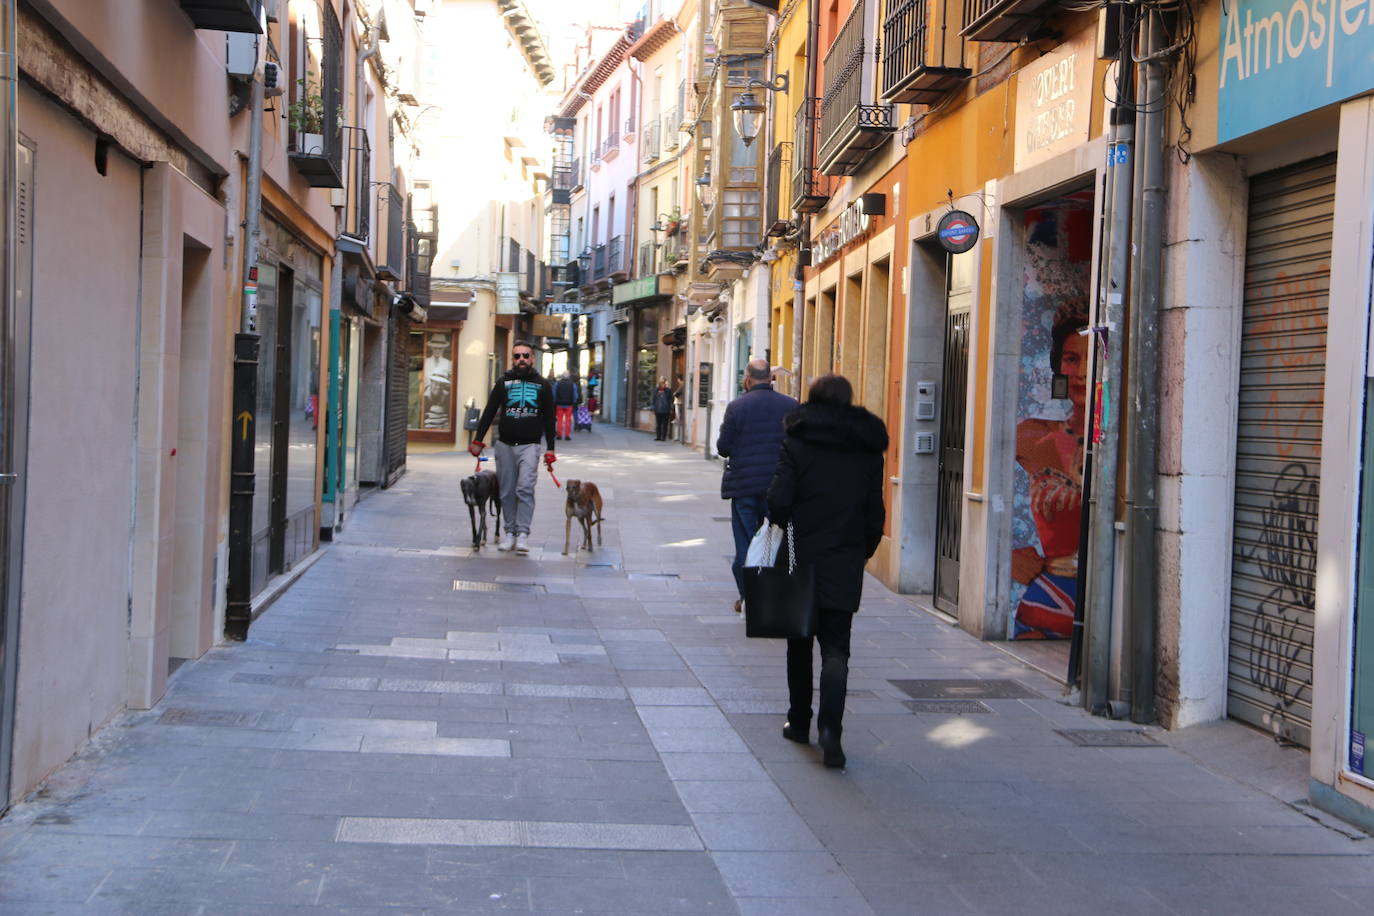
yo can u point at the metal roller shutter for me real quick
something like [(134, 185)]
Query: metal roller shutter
[(1278, 447), (398, 399)]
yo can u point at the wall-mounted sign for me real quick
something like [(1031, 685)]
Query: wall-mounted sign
[(1053, 102), (957, 231), (508, 293), (1281, 58), (564, 308), (851, 224), (703, 384)]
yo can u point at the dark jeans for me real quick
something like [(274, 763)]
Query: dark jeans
[(833, 635), (746, 514), (661, 423)]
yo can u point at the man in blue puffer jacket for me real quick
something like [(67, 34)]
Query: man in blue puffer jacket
[(751, 437)]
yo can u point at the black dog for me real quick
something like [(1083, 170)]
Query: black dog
[(479, 491)]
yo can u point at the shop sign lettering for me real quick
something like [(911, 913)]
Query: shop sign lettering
[(1282, 58), (851, 224), (1053, 96)]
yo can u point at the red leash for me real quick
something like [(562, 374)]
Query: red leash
[(549, 465)]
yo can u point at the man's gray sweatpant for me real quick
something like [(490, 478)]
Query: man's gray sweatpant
[(517, 471)]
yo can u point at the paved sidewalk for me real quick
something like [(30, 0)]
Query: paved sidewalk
[(415, 729)]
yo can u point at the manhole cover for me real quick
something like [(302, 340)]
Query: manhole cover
[(965, 689), (599, 565), (472, 585), (1108, 737), (211, 717), (634, 576), (946, 707), (721, 518)]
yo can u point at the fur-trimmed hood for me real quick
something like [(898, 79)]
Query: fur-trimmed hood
[(850, 429)]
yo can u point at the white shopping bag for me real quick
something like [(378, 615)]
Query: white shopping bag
[(763, 549)]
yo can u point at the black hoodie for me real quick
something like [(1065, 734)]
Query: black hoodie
[(525, 403), (829, 484)]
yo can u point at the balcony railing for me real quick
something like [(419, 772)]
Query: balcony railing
[(810, 189), (599, 263), (1005, 20), (319, 157), (424, 228), (358, 214), (646, 259), (650, 141), (923, 52), (671, 121), (394, 260), (613, 256), (630, 126), (851, 125), (775, 221), (610, 147)]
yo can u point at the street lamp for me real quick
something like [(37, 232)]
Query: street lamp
[(748, 111), (706, 194)]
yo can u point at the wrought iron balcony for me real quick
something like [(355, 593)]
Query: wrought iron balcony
[(358, 212), (671, 122), (319, 156), (225, 15), (775, 221), (810, 189), (394, 258), (423, 239), (610, 147), (614, 256), (852, 126), (650, 141), (1005, 20), (923, 52)]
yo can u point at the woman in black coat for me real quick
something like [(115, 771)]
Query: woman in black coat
[(829, 485)]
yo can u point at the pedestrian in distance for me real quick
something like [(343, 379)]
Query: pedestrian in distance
[(567, 394), (662, 404), (750, 438), (829, 486), (521, 403)]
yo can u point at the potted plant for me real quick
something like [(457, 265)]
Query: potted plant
[(306, 117), (674, 223)]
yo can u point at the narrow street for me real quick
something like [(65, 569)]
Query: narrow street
[(415, 728)]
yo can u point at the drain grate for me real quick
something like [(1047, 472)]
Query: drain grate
[(721, 518), (946, 707), (647, 575), (965, 689), (1108, 737), (211, 717), (599, 565), (269, 680), (472, 585)]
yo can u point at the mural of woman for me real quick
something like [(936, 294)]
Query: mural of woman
[(1051, 453)]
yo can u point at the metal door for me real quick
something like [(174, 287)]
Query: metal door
[(1278, 447), (281, 422), (397, 399), (950, 475)]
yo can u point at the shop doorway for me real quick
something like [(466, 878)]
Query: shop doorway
[(1055, 281), (960, 274)]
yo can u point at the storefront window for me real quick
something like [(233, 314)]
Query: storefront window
[(301, 488), (267, 373), (647, 377), (431, 380)]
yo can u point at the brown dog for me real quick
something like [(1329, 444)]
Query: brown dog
[(583, 504)]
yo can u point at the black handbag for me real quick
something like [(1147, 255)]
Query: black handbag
[(780, 600)]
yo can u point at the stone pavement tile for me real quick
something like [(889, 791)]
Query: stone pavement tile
[(110, 852), (677, 866), (1356, 872), (783, 830), (904, 899), (868, 869), (784, 874), (220, 825), (701, 766), (1308, 840), (643, 812), (261, 857), (732, 796), (659, 895), (696, 740), (683, 717), (524, 863), (130, 886), (51, 882), (456, 893), (1091, 895), (854, 831), (1255, 898), (1250, 812)]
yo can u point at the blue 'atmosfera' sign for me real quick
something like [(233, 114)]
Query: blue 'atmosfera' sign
[(1280, 58)]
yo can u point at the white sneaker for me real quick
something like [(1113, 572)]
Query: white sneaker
[(507, 542), (522, 544)]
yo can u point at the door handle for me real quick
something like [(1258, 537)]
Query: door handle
[(9, 478)]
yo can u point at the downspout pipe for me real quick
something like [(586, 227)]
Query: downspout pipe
[(1107, 348), (813, 16), (1142, 511)]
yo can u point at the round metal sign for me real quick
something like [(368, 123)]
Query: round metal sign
[(957, 231)]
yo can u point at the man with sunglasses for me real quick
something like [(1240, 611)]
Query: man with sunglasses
[(524, 401)]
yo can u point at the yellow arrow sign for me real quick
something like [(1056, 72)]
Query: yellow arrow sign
[(245, 417)]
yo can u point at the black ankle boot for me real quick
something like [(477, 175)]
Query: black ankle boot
[(830, 744), (798, 733)]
